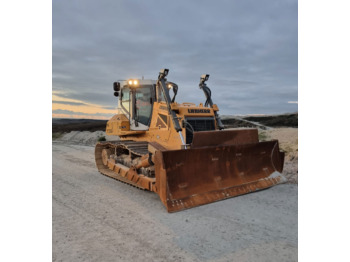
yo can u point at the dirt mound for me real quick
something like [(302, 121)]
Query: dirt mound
[(288, 141), (85, 137), (235, 123)]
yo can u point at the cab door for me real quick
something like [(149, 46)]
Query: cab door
[(142, 99)]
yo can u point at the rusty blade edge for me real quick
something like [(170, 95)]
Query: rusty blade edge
[(275, 175), (225, 193)]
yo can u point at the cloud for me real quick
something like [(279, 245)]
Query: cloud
[(68, 103), (292, 102), (99, 98), (68, 112), (249, 48), (110, 107)]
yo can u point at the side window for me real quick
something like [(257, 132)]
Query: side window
[(143, 105), (125, 99)]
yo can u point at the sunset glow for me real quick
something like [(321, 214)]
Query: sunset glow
[(72, 108)]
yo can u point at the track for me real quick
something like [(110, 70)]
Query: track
[(138, 149)]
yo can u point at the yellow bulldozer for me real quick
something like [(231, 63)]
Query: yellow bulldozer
[(181, 151)]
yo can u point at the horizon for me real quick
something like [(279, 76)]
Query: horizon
[(230, 115)]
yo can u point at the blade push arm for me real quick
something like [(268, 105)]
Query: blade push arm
[(162, 86)]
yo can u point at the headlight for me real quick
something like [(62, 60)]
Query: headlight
[(133, 82)]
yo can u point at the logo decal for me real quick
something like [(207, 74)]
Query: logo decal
[(196, 111)]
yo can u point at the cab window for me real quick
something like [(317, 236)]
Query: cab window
[(125, 99), (144, 105)]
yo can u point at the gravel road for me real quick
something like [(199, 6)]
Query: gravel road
[(96, 218)]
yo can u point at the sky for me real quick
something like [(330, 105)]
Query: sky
[(249, 49)]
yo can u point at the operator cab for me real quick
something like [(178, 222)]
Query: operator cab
[(136, 97), (135, 101)]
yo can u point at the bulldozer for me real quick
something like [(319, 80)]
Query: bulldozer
[(182, 151)]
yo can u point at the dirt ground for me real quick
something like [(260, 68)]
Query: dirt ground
[(288, 141), (96, 218)]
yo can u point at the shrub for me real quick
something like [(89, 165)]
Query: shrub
[(101, 138), (56, 135)]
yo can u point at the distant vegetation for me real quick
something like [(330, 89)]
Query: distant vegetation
[(288, 120), (56, 135), (67, 125), (60, 126), (262, 136), (101, 138)]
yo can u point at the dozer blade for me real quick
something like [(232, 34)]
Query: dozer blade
[(192, 177)]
